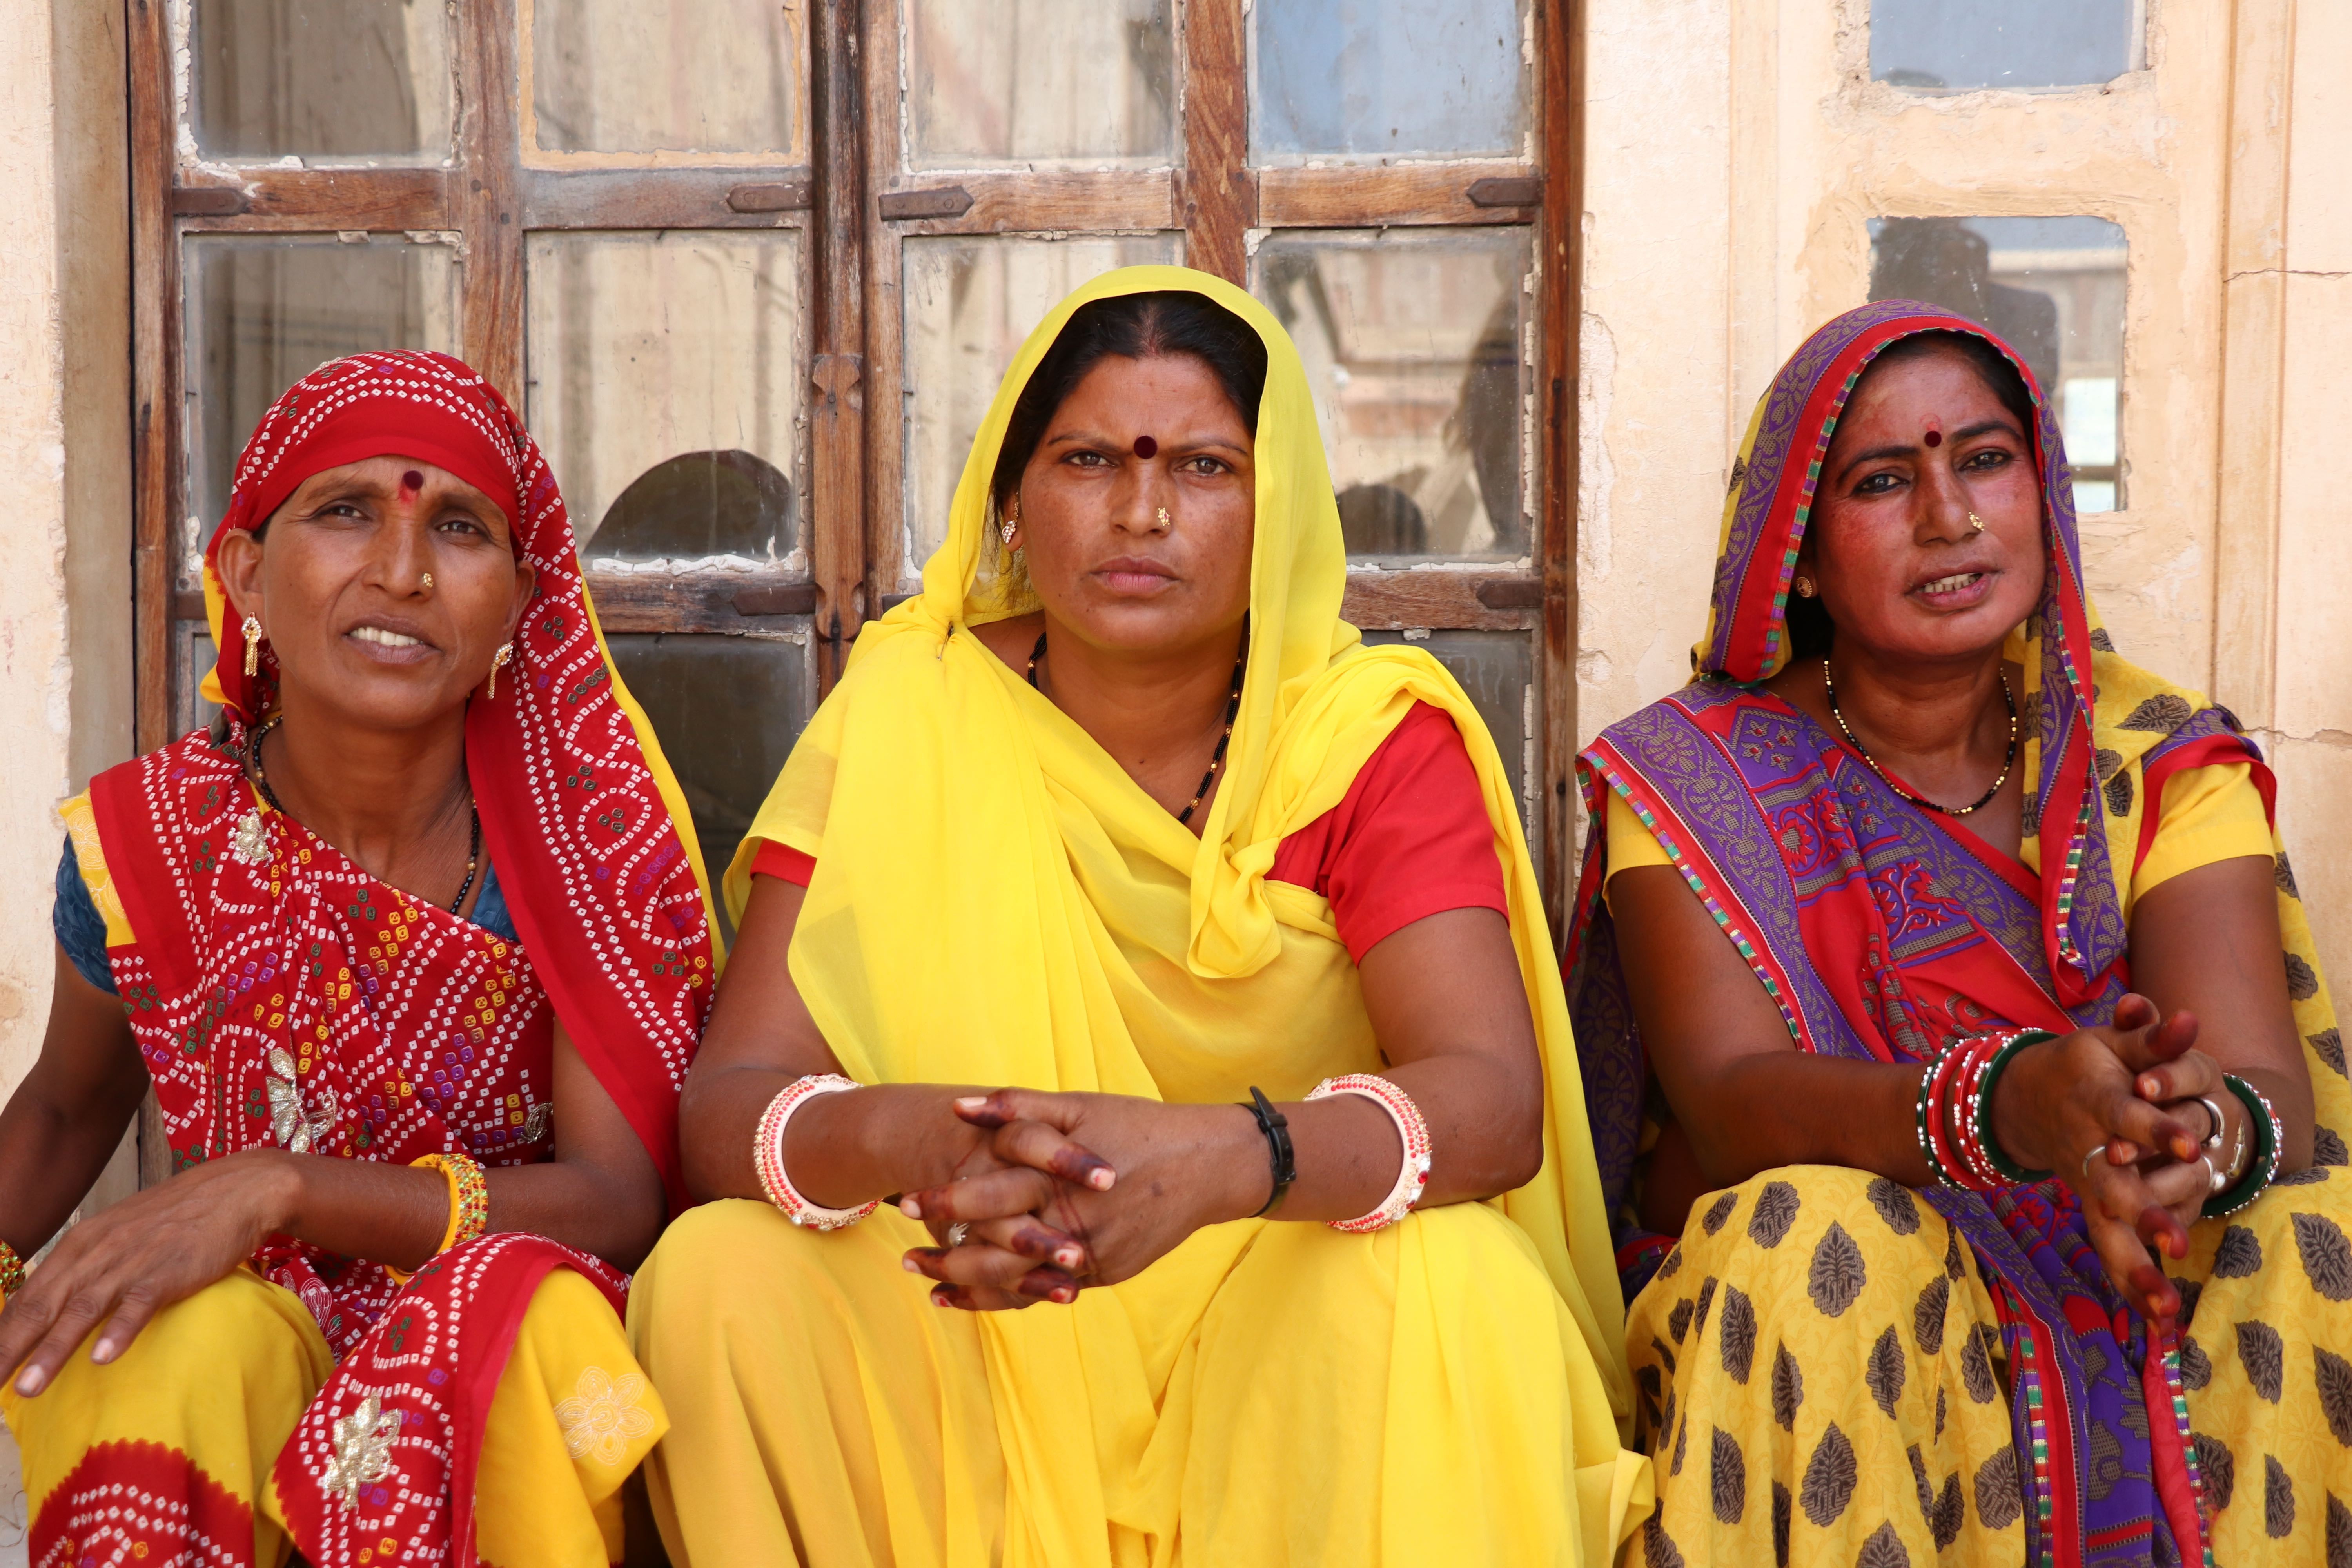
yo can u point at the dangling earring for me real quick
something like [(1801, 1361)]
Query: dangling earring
[(252, 629), (1009, 529), (499, 662), (1012, 521), (1804, 587)]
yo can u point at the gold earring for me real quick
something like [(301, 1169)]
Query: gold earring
[(252, 629), (1009, 529), (1975, 523), (1804, 587), (1165, 520), (498, 662), (428, 583)]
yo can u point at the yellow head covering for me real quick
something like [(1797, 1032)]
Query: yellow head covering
[(996, 900)]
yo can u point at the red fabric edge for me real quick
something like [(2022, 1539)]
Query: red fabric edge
[(2200, 753), (2175, 1490), (785, 863), (128, 842), (636, 1080)]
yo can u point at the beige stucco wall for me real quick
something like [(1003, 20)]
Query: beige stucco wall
[(64, 557), (1734, 152)]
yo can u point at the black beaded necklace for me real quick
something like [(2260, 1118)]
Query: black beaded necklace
[(1828, 686), (1233, 710), (261, 783)]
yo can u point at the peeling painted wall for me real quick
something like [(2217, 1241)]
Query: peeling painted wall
[(1735, 153)]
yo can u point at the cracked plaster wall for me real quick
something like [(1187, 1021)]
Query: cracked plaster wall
[(1735, 153)]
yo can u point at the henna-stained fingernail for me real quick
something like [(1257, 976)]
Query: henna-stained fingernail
[(910, 1209), (970, 1101), (941, 1299), (1068, 1257), (102, 1351), (1065, 1295), (1101, 1177)]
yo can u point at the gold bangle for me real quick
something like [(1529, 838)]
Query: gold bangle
[(12, 1271), (470, 1205)]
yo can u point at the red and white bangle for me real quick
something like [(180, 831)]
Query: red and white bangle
[(768, 1154), (1413, 1175)]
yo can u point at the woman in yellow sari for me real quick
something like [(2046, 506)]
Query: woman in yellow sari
[(1110, 814), (412, 947)]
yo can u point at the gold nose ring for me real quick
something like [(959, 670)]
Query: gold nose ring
[(428, 580), (1975, 523), (1165, 520)]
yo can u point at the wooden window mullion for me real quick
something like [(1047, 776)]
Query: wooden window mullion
[(1558, 442), (490, 188), (158, 404), (1218, 205), (838, 550)]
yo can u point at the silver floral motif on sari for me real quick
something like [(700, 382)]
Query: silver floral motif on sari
[(294, 1128), (363, 1452)]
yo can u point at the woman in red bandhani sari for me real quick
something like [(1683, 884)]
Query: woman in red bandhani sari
[(1961, 1070), (413, 948)]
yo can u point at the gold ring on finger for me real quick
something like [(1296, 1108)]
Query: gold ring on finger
[(959, 1233)]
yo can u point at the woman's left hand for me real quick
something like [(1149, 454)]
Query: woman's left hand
[(1177, 1168), (123, 1266)]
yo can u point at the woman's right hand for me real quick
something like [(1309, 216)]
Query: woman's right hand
[(2070, 1105)]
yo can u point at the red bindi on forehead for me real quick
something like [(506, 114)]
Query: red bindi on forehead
[(412, 480), (1145, 447), (1935, 438)]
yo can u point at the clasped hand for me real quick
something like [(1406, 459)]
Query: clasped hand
[(2113, 1112), (1071, 1190)]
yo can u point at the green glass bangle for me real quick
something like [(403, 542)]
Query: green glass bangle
[(1993, 1069), (2265, 1164)]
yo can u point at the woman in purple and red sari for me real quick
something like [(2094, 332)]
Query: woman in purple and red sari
[(413, 948), (1961, 1076)]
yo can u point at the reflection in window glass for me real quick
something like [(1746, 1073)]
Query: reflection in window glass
[(664, 384), (2052, 287), (969, 301), (1497, 670), (727, 711), (325, 80), (642, 75), (1389, 77), (263, 312), (1412, 343), (1039, 81), (1965, 44)]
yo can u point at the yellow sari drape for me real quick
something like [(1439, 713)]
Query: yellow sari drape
[(995, 900)]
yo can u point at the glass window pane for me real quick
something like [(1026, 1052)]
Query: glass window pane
[(664, 382), (644, 76), (969, 301), (321, 80), (1390, 77), (1413, 344), (2053, 288), (264, 312), (1497, 670), (1039, 81), (1961, 45), (727, 711)]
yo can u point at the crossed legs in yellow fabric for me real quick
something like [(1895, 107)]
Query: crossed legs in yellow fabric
[(209, 1392), (2266, 1357), (1396, 1398), (1767, 1336), (1816, 1367)]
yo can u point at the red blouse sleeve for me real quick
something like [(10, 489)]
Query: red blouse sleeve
[(783, 860), (1409, 839)]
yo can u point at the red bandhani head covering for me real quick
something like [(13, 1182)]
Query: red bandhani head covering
[(594, 849)]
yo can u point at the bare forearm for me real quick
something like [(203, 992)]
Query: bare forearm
[(841, 1150), (50, 1157), (399, 1214), (1792, 1107)]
